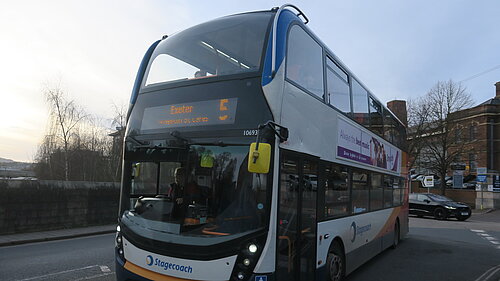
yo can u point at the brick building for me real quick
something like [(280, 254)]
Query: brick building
[(478, 128)]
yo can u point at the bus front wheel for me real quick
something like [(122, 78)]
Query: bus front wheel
[(336, 263)]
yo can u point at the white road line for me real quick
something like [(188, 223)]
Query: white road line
[(58, 273), (105, 268), (495, 242), (489, 238), (93, 276), (491, 274), (487, 273), (483, 234), (477, 230)]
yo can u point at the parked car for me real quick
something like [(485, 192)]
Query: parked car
[(438, 206)]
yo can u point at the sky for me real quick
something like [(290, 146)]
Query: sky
[(93, 48)]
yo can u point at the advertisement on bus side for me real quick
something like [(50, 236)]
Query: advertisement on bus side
[(363, 147)]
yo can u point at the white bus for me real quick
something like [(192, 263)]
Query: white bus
[(253, 153)]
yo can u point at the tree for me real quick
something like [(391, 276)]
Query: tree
[(418, 126), (116, 148), (434, 133), (65, 115), (78, 146)]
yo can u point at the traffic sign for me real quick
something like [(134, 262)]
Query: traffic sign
[(481, 178), (482, 170), (428, 181), (458, 166)]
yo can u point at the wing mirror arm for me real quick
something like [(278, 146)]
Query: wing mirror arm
[(259, 159), (282, 134)]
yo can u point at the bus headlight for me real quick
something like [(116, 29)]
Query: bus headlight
[(119, 242), (252, 248), (249, 253)]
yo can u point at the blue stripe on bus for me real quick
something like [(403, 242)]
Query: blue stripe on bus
[(286, 18), (141, 71)]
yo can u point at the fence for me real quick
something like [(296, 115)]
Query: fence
[(29, 205)]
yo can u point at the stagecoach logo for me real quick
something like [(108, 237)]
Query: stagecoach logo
[(353, 231), (358, 230), (165, 265)]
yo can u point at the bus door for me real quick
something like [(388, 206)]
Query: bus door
[(296, 251)]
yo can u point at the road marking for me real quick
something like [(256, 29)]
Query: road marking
[(105, 268), (58, 273), (486, 236), (492, 273), (93, 276), (488, 273)]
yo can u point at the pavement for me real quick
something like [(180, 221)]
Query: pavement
[(481, 212), (23, 238)]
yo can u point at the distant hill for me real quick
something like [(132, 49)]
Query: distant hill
[(13, 169), (5, 160)]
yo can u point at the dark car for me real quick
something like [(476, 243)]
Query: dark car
[(438, 206)]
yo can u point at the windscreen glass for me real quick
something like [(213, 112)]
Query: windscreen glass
[(228, 45), (206, 192), (436, 197)]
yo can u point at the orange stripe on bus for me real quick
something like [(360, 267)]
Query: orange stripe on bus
[(389, 224)]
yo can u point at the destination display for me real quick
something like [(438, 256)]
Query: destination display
[(200, 113), (365, 148)]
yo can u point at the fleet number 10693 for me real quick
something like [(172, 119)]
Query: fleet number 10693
[(250, 132)]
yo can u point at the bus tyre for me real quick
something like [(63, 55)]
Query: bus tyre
[(396, 239), (440, 214), (336, 263)]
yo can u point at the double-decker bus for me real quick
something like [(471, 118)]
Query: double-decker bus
[(253, 153)]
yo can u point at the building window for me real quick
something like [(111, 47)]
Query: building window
[(458, 134), (473, 132), (472, 161)]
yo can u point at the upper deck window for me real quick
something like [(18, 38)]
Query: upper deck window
[(224, 46), (360, 104), (337, 87), (305, 61)]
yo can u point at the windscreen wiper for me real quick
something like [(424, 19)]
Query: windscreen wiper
[(134, 140), (150, 144), (177, 135)]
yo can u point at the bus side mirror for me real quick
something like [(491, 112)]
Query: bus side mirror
[(259, 160)]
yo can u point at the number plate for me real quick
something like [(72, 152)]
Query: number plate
[(465, 213)]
